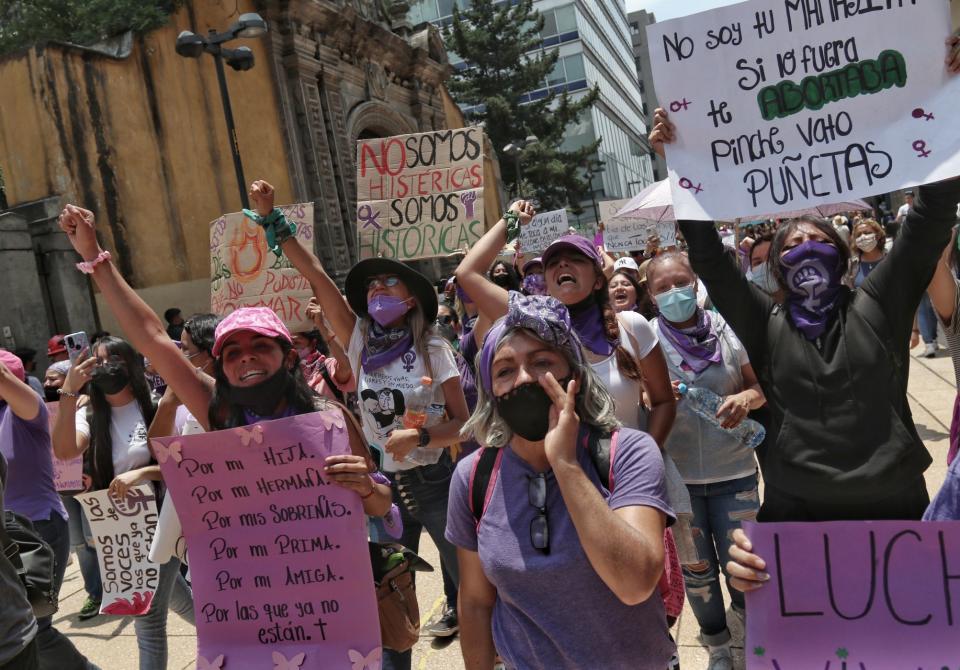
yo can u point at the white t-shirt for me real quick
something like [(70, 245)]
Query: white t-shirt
[(382, 393), (128, 433), (903, 211), (625, 391)]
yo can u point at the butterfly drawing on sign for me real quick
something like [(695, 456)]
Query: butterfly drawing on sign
[(215, 664), (123, 607), (174, 451), (281, 662), (331, 419), (369, 662), (255, 434)]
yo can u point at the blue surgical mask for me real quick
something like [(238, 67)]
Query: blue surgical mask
[(678, 304), (763, 279)]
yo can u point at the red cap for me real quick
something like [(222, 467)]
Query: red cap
[(56, 346)]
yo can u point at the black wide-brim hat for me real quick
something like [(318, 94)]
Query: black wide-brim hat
[(419, 286)]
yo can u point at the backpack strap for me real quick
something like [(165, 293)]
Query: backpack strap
[(482, 480), (602, 448)]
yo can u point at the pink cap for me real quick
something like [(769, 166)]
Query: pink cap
[(14, 364), (260, 320)]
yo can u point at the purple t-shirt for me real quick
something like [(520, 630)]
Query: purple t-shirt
[(553, 611), (26, 446)]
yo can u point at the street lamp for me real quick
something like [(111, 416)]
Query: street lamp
[(514, 149), (191, 45)]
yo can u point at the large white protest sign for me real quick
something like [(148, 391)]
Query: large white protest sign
[(543, 229), (123, 530), (784, 104), (634, 234)]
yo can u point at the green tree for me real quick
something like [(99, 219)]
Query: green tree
[(27, 22), (501, 45)]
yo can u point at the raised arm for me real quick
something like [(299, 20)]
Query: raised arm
[(140, 324), (341, 317), (22, 400), (943, 289), (490, 299)]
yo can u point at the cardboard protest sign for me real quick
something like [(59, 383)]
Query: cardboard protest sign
[(278, 553), (420, 196), (68, 474), (245, 273), (865, 594), (633, 234), (543, 229), (123, 530), (784, 104)]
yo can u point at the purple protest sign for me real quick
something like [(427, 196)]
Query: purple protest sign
[(278, 553), (68, 474), (855, 595)]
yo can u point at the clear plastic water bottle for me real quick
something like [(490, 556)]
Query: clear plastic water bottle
[(415, 416), (706, 403)]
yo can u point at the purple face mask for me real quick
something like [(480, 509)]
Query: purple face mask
[(385, 309), (534, 284), (813, 274)]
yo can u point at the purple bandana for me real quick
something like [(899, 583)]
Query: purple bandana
[(384, 345), (698, 346), (464, 298), (588, 322), (535, 284), (544, 315), (813, 275)]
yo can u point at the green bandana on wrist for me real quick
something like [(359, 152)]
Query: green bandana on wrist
[(513, 226), (276, 226)]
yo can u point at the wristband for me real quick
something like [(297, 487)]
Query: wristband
[(373, 489), (87, 267), (276, 226), (61, 392), (513, 226)]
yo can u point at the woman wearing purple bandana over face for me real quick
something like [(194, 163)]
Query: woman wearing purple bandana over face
[(718, 468), (832, 363), (548, 518)]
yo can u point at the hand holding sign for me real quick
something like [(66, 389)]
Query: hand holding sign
[(663, 133)]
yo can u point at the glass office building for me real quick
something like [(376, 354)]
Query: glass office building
[(594, 44)]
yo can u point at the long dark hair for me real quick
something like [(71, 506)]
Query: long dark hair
[(298, 394), (514, 281), (202, 330), (101, 415), (626, 363), (644, 305), (786, 229)]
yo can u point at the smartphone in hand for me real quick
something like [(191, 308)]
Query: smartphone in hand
[(76, 344)]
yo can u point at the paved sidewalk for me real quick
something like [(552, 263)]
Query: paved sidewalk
[(110, 641)]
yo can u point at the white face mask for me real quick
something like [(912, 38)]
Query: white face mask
[(867, 243)]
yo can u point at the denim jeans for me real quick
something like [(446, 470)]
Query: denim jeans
[(56, 651), (927, 320), (86, 554), (421, 494), (173, 593), (718, 510)]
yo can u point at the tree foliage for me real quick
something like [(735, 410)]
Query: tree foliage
[(27, 22), (501, 44)]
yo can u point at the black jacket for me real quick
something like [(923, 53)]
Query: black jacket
[(840, 421)]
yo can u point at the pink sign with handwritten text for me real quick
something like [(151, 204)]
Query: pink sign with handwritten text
[(245, 273), (68, 474), (857, 595), (278, 553)]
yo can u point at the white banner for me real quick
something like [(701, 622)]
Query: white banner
[(543, 229), (123, 530), (784, 104), (634, 234)]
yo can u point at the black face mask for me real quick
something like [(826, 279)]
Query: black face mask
[(526, 409), (110, 378), (50, 394), (502, 280), (262, 399)]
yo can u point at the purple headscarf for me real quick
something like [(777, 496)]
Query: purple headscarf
[(543, 315)]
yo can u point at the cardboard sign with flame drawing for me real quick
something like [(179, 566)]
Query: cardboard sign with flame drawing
[(245, 273)]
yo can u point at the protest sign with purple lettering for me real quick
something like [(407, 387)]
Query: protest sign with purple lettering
[(123, 530), (245, 273), (784, 104), (278, 553), (68, 474), (857, 595)]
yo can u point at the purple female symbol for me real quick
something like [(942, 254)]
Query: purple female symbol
[(921, 148), (687, 184), (369, 217), (918, 113)]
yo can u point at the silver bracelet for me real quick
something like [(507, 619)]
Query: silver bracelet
[(61, 392)]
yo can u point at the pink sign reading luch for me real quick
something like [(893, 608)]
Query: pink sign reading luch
[(278, 553), (68, 474), (855, 595)]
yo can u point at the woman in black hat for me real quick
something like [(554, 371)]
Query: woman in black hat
[(388, 320)]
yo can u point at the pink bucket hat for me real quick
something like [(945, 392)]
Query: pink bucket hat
[(14, 364), (260, 320)]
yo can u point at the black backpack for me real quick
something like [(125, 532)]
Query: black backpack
[(33, 560), (602, 447)]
